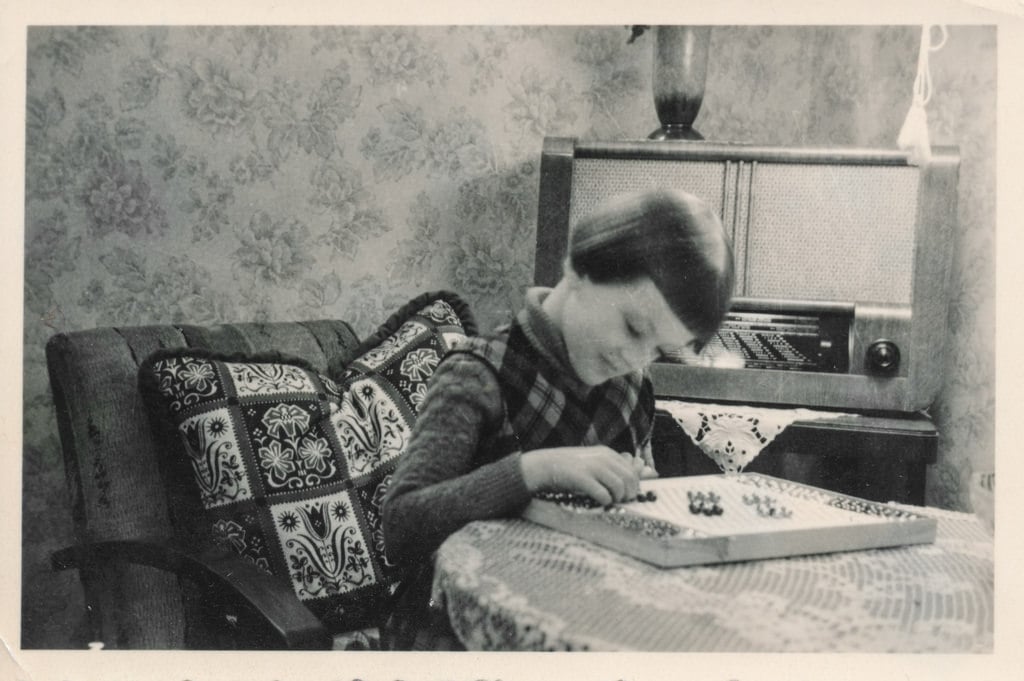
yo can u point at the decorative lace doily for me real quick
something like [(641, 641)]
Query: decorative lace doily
[(733, 435)]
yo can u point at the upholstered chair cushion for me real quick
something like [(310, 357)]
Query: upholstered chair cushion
[(290, 465)]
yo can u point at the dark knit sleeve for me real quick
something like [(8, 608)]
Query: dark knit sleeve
[(439, 485)]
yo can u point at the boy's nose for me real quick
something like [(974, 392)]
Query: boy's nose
[(639, 355)]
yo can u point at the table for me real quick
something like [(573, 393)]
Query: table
[(514, 585)]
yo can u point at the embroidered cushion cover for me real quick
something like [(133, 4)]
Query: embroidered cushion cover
[(291, 466)]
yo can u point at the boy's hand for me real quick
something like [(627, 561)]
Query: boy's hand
[(599, 472), (644, 471)]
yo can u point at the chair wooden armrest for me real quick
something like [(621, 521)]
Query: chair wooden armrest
[(218, 573)]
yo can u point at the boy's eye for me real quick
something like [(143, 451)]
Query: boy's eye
[(633, 330)]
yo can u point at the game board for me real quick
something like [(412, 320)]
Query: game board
[(731, 517)]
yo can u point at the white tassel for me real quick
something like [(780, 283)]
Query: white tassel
[(913, 135)]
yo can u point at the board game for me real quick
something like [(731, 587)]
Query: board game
[(731, 517)]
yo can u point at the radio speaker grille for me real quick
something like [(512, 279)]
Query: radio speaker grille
[(800, 231), (596, 180), (829, 232)]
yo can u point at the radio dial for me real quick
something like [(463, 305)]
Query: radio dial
[(883, 357)]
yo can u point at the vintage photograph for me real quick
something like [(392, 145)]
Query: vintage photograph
[(509, 337)]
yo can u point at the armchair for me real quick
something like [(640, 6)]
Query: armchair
[(150, 579)]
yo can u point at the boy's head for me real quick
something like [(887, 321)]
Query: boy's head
[(670, 236)]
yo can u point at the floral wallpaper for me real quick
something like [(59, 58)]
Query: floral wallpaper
[(218, 174)]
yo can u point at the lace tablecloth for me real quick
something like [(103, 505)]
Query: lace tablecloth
[(514, 585)]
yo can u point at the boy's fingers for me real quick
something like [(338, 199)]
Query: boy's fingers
[(635, 461)]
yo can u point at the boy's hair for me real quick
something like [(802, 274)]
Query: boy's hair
[(672, 237)]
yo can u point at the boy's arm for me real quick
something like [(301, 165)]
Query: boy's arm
[(437, 488)]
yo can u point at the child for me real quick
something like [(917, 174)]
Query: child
[(561, 399)]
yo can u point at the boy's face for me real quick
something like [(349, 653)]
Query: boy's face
[(614, 329)]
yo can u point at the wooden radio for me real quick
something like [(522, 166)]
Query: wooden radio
[(842, 259)]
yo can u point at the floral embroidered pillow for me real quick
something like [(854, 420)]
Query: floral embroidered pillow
[(291, 466)]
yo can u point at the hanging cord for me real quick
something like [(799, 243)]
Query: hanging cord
[(913, 135)]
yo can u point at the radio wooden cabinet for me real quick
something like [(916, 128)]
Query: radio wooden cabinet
[(842, 260)]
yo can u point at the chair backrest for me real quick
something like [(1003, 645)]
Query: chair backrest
[(115, 467)]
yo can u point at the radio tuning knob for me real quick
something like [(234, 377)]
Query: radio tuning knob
[(883, 357)]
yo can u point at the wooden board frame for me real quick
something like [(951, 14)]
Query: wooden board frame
[(626, 529)]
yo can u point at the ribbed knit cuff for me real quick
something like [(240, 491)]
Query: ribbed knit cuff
[(501, 490)]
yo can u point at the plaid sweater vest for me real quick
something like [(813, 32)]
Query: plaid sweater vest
[(545, 408)]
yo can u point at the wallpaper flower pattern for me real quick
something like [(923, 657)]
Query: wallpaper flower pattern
[(218, 174)]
